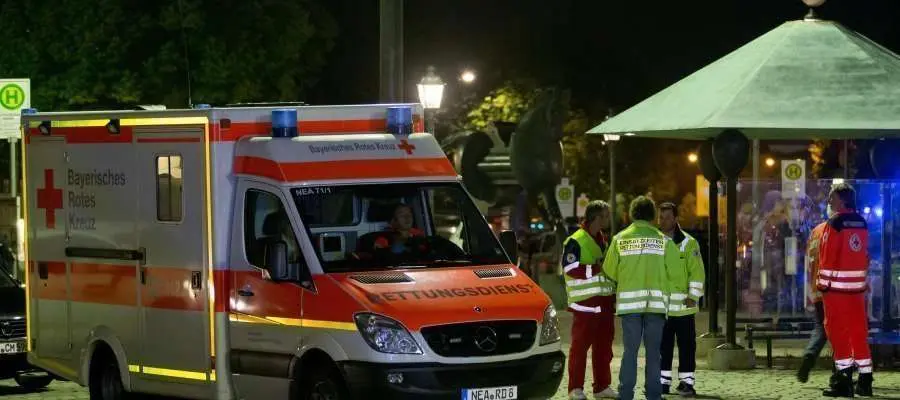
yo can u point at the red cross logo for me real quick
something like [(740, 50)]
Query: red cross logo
[(405, 146), (50, 199)]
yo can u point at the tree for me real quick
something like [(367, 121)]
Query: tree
[(106, 53)]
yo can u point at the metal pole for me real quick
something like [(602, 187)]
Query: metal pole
[(13, 173), (756, 255), (430, 121), (612, 187), (730, 254), (13, 193), (713, 288), (391, 45), (886, 234)]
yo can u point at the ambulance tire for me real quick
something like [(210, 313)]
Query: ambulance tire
[(105, 378), (323, 384)]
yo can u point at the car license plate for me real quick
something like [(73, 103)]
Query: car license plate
[(495, 393), (12, 347)]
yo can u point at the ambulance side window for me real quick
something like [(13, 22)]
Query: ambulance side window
[(265, 220), (169, 188)]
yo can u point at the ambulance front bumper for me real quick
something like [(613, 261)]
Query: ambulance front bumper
[(536, 377)]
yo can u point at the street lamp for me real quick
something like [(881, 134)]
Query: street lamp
[(692, 158), (431, 92), (467, 76), (611, 141), (770, 162)]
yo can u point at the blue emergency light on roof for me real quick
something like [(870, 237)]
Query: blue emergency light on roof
[(399, 120), (284, 123), (202, 106)]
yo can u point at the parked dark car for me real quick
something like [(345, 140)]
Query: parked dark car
[(13, 360)]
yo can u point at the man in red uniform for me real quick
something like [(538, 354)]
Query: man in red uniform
[(592, 301), (843, 265)]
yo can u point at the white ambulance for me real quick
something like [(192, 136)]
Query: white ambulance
[(271, 253)]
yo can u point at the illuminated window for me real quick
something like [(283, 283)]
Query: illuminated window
[(169, 192)]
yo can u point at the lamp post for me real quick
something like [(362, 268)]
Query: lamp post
[(431, 92), (611, 142)]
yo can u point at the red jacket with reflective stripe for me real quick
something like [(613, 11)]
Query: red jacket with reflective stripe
[(843, 254)]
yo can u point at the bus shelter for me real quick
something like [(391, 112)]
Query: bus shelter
[(806, 79)]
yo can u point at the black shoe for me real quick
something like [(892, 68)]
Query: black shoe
[(686, 390), (841, 384), (809, 361), (864, 385)]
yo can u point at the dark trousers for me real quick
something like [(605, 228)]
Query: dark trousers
[(818, 339), (684, 330)]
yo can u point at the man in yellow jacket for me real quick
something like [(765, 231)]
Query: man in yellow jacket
[(683, 301), (644, 264)]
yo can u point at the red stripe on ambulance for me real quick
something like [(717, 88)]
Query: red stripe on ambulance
[(344, 169)]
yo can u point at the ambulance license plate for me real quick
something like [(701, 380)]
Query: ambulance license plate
[(12, 347), (495, 393)]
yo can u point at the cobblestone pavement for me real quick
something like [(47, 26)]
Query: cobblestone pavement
[(759, 384)]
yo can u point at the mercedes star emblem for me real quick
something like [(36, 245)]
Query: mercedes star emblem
[(486, 339), (477, 309), (4, 329)]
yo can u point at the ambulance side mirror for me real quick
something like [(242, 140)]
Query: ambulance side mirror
[(510, 244), (277, 262)]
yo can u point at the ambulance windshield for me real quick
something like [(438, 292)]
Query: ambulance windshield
[(403, 225)]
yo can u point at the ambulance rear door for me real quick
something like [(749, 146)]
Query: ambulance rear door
[(175, 319), (47, 237)]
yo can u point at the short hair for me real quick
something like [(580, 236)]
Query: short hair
[(669, 206), (642, 208), (846, 193), (594, 209), (399, 207)]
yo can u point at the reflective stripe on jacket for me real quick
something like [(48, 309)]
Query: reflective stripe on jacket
[(583, 273), (691, 287), (643, 262), (843, 254)]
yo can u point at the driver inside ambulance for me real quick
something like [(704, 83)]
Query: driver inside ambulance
[(401, 231)]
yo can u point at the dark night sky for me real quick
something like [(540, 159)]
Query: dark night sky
[(613, 52)]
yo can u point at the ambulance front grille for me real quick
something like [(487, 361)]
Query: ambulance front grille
[(493, 273), (12, 329), (382, 278), (480, 339)]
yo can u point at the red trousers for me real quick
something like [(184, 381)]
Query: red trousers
[(847, 328), (593, 331)]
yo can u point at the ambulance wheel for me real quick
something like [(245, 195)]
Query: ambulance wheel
[(324, 384), (105, 380), (33, 382)]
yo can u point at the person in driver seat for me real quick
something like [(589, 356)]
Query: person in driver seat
[(401, 230)]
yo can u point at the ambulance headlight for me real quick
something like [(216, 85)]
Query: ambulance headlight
[(386, 335), (550, 327)]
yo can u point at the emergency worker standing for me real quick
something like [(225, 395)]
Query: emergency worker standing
[(843, 266), (818, 338), (643, 262), (591, 302), (683, 301)]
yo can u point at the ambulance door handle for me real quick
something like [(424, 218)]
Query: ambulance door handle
[(43, 271), (143, 275), (245, 292)]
